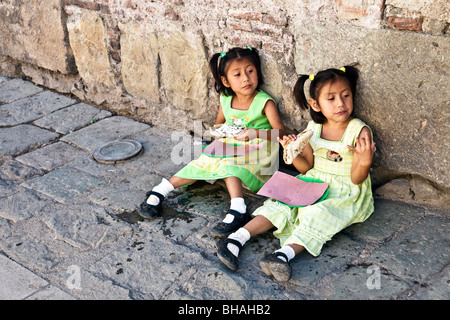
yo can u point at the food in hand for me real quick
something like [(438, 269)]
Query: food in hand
[(294, 147), (226, 130)]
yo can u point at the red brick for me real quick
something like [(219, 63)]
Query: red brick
[(239, 25), (268, 30), (350, 13), (246, 41), (245, 15), (401, 23), (274, 20)]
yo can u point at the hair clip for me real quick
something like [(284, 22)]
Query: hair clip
[(250, 48), (222, 54), (311, 77), (342, 69)]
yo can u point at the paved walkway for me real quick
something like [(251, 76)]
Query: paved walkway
[(69, 227)]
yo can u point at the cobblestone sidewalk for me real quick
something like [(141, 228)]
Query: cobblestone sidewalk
[(69, 227)]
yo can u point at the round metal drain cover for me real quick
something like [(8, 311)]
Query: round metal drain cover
[(119, 150)]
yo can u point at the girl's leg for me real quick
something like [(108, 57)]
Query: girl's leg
[(165, 187), (256, 226), (151, 208), (228, 249), (234, 187), (237, 216), (290, 250), (179, 182), (297, 248)]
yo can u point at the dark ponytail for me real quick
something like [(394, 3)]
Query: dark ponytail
[(214, 65), (299, 92), (352, 75), (349, 73)]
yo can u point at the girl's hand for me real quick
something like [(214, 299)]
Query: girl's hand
[(362, 156), (247, 134), (287, 139), (364, 149)]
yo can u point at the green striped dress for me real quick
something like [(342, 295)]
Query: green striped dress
[(253, 169), (346, 203)]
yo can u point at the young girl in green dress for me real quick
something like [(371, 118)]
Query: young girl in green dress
[(340, 152), (238, 78)]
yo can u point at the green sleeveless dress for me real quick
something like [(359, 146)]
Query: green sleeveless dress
[(255, 168), (346, 203)]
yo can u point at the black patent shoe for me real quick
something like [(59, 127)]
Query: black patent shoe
[(149, 211), (223, 229), (225, 255), (273, 266)]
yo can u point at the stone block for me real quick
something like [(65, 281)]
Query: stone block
[(32, 108), (15, 89), (21, 279), (438, 290), (106, 130), (87, 35), (94, 288), (32, 31), (412, 254), (72, 118), (307, 269), (21, 138), (21, 206), (184, 71), (149, 264), (424, 190), (50, 293), (16, 171), (399, 189), (51, 157), (360, 282), (64, 184), (127, 194), (84, 226), (389, 217), (139, 54)]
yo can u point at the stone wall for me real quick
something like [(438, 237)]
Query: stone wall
[(149, 60)]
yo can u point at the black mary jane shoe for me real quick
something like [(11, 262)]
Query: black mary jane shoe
[(273, 266), (223, 229), (225, 255), (149, 211)]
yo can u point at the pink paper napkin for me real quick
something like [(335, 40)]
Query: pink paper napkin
[(292, 191)]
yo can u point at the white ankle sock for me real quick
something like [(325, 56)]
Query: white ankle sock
[(164, 188), (242, 235), (237, 204), (288, 251)]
